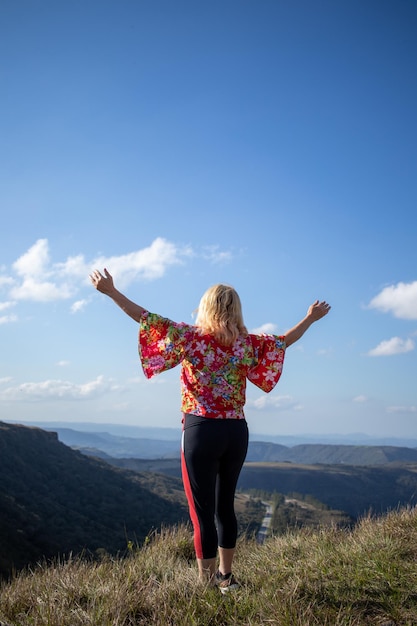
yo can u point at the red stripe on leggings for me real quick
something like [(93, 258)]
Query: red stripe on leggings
[(193, 513)]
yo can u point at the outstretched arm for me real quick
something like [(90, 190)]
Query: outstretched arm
[(315, 312), (105, 285)]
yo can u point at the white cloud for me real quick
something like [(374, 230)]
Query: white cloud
[(265, 329), (6, 281), (74, 267), (402, 409), (79, 305), (360, 399), (400, 300), (395, 345), (57, 390), (273, 402), (214, 255), (41, 291), (34, 261), (149, 263), (38, 276), (8, 319), (39, 279)]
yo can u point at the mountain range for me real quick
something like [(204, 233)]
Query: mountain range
[(55, 500), (104, 444), (174, 434)]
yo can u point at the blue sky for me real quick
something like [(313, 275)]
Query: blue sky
[(270, 145)]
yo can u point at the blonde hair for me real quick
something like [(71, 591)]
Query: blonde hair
[(220, 313)]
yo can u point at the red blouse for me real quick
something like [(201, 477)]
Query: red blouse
[(213, 376)]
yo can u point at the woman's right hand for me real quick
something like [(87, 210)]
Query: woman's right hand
[(104, 284)]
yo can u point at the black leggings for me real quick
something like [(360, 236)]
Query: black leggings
[(213, 452)]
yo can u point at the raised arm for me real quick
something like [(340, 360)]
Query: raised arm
[(105, 285), (315, 312)]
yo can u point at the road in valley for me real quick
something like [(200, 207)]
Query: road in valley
[(266, 523)]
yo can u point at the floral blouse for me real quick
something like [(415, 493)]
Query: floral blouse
[(213, 376)]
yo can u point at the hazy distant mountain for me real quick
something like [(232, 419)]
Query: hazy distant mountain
[(119, 430), (104, 445), (119, 447), (174, 434), (330, 454)]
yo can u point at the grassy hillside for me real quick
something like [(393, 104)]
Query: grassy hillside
[(328, 577), (54, 500)]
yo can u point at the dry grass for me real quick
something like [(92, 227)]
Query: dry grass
[(328, 577)]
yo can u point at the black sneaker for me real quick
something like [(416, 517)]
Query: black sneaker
[(226, 582)]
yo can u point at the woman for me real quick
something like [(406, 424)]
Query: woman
[(217, 355)]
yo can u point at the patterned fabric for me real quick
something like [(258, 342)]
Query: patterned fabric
[(213, 376)]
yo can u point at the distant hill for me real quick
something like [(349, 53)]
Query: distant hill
[(330, 454), (103, 445), (120, 446), (128, 441), (174, 434), (54, 500), (355, 490)]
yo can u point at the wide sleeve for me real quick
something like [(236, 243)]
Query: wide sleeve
[(161, 343), (269, 353)]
